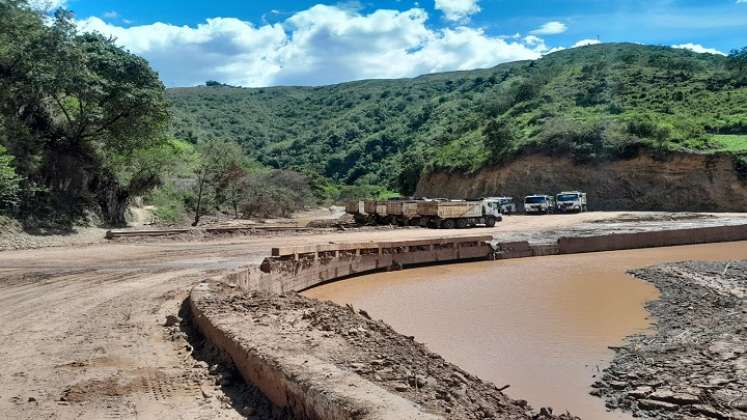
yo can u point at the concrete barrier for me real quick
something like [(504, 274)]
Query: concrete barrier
[(635, 240)]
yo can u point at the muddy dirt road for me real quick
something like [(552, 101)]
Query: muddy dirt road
[(81, 327)]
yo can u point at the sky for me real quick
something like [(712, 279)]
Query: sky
[(267, 43)]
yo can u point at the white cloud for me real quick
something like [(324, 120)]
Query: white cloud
[(320, 45), (457, 10), (47, 5), (551, 28), (699, 48), (111, 15), (741, 1), (586, 42)]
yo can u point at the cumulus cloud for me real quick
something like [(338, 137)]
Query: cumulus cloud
[(586, 42), (47, 5), (699, 48), (457, 10), (319, 45), (550, 28)]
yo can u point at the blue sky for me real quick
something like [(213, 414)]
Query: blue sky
[(261, 42)]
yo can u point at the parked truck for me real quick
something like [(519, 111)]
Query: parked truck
[(403, 212), (357, 210), (539, 204), (507, 204), (570, 201), (459, 214)]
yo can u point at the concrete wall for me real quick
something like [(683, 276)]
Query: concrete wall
[(636, 240)]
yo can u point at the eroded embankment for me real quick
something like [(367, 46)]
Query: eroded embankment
[(695, 364), (348, 365), (680, 182), (323, 361)]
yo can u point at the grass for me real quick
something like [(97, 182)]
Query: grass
[(733, 143)]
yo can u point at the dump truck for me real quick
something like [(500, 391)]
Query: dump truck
[(570, 201), (403, 212), (539, 204), (376, 211), (459, 213), (357, 210)]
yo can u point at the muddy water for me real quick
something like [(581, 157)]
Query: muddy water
[(542, 325)]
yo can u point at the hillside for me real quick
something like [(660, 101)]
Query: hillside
[(592, 104)]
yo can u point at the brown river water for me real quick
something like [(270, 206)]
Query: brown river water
[(542, 325)]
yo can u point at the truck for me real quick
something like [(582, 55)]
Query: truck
[(403, 212), (376, 211), (539, 204), (507, 204), (357, 210), (459, 213), (570, 201)]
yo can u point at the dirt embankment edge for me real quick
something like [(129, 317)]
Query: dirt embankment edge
[(679, 182)]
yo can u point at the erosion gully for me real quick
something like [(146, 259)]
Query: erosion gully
[(542, 325)]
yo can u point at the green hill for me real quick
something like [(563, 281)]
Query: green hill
[(594, 103)]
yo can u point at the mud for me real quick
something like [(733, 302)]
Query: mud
[(695, 364)]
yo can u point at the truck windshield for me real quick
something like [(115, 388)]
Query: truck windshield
[(567, 197), (535, 200)]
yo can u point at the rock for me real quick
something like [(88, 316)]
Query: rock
[(656, 405), (171, 320), (708, 410), (640, 392), (617, 384), (725, 350), (400, 387), (680, 398)]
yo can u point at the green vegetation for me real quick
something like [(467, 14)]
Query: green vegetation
[(76, 115), (730, 143), (598, 102), (83, 129)]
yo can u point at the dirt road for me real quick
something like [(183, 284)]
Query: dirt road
[(81, 327)]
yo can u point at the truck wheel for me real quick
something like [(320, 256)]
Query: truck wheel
[(448, 224), (461, 223), (490, 221), (415, 221), (433, 223)]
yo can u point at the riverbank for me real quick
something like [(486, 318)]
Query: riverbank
[(352, 348), (695, 362)]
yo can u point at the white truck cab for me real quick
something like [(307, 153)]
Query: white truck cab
[(539, 204), (507, 204), (571, 201)]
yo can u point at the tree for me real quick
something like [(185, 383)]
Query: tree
[(74, 105), (498, 138), (217, 160), (9, 180), (738, 60)]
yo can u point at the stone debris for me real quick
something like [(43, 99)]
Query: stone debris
[(694, 365)]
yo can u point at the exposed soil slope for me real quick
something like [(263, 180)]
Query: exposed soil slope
[(682, 182)]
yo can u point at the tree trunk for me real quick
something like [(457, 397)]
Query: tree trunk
[(113, 201), (200, 186)]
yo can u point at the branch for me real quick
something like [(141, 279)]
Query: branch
[(64, 111)]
